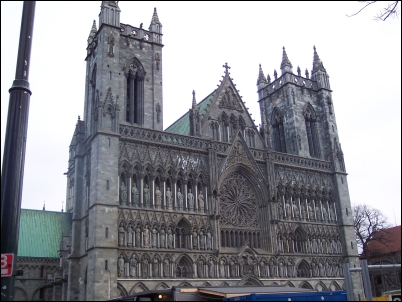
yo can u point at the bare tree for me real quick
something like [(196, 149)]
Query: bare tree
[(390, 10), (370, 225)]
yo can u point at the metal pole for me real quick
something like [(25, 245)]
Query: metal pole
[(348, 281), (366, 280), (14, 148)]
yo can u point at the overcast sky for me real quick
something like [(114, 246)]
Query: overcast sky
[(362, 57)]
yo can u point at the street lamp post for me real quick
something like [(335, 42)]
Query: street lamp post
[(12, 173)]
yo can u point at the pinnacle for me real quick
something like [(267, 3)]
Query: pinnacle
[(194, 101), (155, 19), (285, 59), (93, 29), (317, 64), (261, 78)]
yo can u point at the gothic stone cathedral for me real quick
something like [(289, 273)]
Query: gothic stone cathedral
[(211, 200)]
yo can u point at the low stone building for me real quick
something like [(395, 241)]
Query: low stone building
[(43, 246)]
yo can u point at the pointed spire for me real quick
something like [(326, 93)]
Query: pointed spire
[(155, 25), (317, 64), (261, 77), (286, 66), (93, 29), (194, 101), (306, 73), (43, 209)]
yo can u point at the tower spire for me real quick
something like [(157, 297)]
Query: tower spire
[(286, 66), (93, 29), (261, 78)]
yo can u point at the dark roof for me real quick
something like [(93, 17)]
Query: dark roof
[(41, 232), (393, 241), (182, 125)]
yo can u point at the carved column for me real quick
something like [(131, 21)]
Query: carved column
[(152, 190), (141, 189), (185, 195), (164, 206), (129, 192)]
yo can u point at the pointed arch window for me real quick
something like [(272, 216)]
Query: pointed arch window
[(225, 126), (312, 132), (215, 130), (278, 131), (135, 93)]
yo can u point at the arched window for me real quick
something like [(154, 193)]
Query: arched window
[(135, 93), (278, 131), (312, 132), (183, 235), (225, 124)]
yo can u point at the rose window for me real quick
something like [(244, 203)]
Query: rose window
[(237, 202)]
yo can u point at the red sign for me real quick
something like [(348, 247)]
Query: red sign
[(7, 261)]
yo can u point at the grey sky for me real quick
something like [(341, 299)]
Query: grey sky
[(362, 57)]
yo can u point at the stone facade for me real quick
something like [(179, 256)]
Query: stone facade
[(212, 200)]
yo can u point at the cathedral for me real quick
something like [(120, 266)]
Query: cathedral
[(212, 200)]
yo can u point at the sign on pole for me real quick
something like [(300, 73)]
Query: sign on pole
[(7, 261)]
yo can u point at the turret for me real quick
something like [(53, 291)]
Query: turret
[(110, 13), (319, 73), (91, 38)]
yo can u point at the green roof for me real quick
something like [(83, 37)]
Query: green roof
[(182, 125), (41, 231)]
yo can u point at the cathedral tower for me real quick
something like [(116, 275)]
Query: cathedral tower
[(123, 87)]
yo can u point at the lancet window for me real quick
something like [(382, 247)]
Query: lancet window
[(312, 131), (278, 131), (135, 93)]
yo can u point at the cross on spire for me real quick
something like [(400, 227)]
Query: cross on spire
[(226, 66)]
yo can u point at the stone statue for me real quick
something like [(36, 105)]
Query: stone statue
[(154, 237), (145, 268), (133, 267), (318, 213), (190, 200), (130, 232), (310, 211), (200, 268), (121, 234), (201, 202), (263, 269), (179, 200), (155, 268), (232, 268), (325, 214), (135, 195), (296, 211), (255, 268), (170, 239), (195, 239), (280, 210), (158, 197), (209, 241), (166, 272), (339, 246), (213, 205), (211, 265), (281, 269), (169, 199), (202, 240), (138, 236), (162, 238), (120, 265), (304, 211), (123, 193), (290, 269), (222, 268), (288, 210), (146, 196), (321, 269), (147, 237)]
